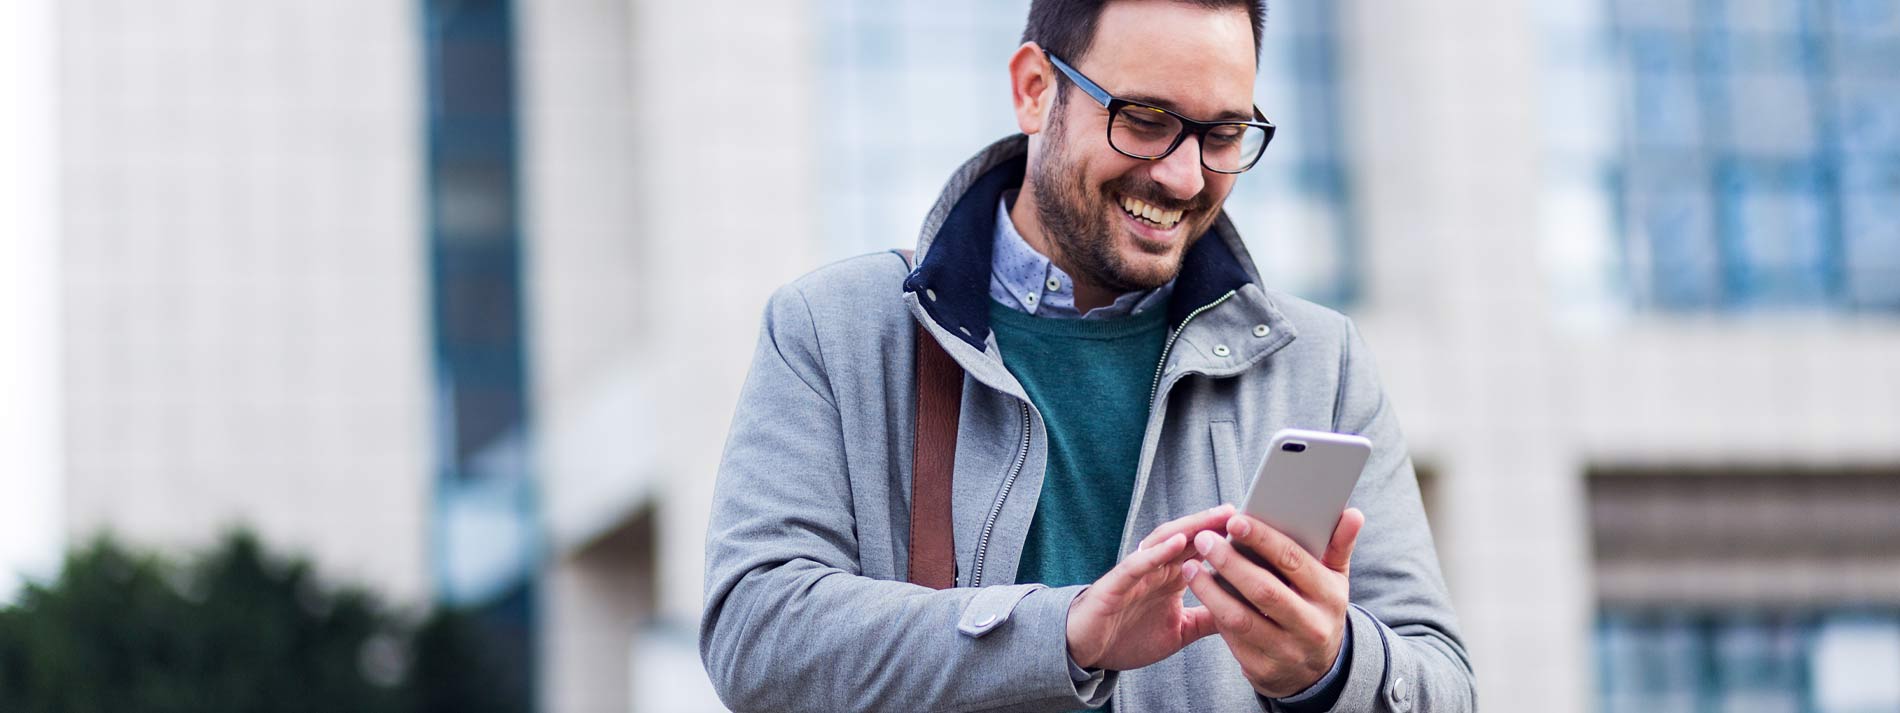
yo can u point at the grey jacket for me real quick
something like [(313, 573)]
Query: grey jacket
[(807, 608)]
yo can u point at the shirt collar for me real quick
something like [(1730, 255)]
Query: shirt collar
[(1027, 281)]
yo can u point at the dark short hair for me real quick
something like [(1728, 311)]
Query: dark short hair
[(1066, 28)]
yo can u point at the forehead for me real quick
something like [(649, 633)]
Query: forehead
[(1199, 61)]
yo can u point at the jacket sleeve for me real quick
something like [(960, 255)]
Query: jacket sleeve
[(1407, 656), (790, 623)]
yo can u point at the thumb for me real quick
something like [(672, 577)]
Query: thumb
[(1196, 623), (1338, 555)]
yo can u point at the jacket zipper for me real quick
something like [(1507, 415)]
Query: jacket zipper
[(996, 510), (1155, 411), (1154, 388)]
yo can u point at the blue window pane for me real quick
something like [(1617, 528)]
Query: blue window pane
[(1869, 111), (1687, 264), (1870, 17), (1854, 663), (1762, 15), (1870, 213), (1656, 14), (1770, 115), (1668, 113), (1757, 665), (1779, 234)]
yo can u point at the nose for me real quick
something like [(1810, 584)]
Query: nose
[(1180, 172)]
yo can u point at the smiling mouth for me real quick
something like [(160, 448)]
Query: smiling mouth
[(1149, 214)]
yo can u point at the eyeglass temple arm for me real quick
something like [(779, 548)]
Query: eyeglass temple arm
[(1089, 87)]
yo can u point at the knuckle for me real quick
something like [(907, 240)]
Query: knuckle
[(1266, 594), (1234, 621), (1315, 632), (1290, 558)]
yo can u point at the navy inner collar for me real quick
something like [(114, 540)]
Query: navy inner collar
[(956, 269)]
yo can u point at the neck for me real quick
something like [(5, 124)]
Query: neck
[(1088, 295)]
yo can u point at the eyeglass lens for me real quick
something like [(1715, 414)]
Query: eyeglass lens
[(1147, 132)]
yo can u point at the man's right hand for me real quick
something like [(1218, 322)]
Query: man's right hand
[(1133, 615)]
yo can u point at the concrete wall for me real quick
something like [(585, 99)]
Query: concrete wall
[(243, 326)]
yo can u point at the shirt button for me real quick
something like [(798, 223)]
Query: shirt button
[(1220, 350), (932, 294), (1030, 298), (1260, 330), (1054, 285)]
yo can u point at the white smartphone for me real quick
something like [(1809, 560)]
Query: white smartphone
[(1304, 482)]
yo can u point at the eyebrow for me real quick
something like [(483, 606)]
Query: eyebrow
[(1151, 100)]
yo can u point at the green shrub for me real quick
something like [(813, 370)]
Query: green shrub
[(235, 630)]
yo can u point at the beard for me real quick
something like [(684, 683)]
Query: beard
[(1079, 221)]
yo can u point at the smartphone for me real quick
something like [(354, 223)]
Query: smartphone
[(1302, 486)]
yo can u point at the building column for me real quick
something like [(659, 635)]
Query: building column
[(30, 422)]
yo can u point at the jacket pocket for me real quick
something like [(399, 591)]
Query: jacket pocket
[(1229, 475)]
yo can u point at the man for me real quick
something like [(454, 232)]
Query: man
[(1123, 368)]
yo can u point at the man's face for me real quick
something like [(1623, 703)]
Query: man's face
[(1089, 198)]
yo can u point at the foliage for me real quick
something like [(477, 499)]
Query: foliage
[(237, 630)]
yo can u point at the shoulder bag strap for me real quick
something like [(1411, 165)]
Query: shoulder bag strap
[(933, 561)]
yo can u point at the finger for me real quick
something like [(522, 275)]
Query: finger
[(1140, 563), (1274, 549), (1236, 621), (1210, 519), (1338, 556), (1261, 589), (1196, 623), (1165, 578)]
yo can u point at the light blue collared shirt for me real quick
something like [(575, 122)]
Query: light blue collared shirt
[(1027, 281)]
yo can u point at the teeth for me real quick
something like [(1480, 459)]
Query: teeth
[(1139, 209)]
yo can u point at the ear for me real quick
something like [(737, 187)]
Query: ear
[(1032, 87)]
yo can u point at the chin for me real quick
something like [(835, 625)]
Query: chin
[(1149, 263), (1146, 270)]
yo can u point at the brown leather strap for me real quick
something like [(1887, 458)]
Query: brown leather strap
[(933, 561)]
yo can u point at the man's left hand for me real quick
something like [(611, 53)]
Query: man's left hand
[(1288, 630)]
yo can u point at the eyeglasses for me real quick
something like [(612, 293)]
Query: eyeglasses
[(1137, 130)]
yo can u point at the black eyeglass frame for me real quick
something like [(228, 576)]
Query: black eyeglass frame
[(1198, 128)]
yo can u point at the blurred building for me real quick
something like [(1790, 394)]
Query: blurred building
[(456, 296)]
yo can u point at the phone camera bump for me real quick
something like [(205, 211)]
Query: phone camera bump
[(1293, 447)]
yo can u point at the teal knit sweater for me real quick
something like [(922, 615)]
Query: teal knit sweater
[(1090, 380)]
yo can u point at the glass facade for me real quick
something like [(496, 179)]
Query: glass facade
[(1675, 660), (485, 540), (1757, 158), (916, 87)]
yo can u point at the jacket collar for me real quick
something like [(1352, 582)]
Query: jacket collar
[(952, 274)]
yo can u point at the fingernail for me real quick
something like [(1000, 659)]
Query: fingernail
[(1188, 570), (1204, 542), (1238, 527)]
